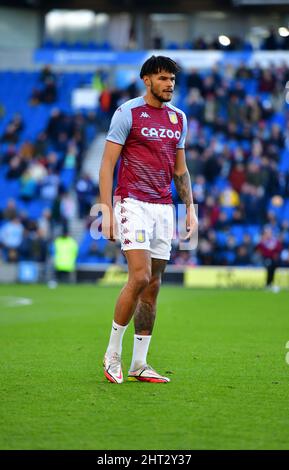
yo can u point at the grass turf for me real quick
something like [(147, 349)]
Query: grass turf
[(223, 350)]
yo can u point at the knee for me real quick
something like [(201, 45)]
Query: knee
[(141, 280), (155, 284), (151, 293)]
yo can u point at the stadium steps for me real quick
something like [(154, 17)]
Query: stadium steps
[(76, 225), (76, 228), (91, 165), (93, 157)]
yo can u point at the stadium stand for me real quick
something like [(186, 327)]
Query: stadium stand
[(237, 155), (272, 41)]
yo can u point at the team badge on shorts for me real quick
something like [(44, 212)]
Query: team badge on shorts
[(173, 117), (140, 236)]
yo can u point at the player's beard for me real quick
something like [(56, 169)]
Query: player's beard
[(159, 97)]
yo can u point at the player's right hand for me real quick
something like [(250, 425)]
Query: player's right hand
[(108, 225)]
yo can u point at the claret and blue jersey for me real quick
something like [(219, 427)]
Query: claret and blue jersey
[(150, 137)]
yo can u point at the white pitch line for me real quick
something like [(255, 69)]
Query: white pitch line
[(15, 301)]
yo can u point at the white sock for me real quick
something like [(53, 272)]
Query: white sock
[(115, 341), (140, 350)]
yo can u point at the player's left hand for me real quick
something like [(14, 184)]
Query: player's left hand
[(191, 221)]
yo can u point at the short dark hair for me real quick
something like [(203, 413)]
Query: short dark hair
[(155, 64)]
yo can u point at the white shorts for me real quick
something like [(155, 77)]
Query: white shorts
[(145, 226)]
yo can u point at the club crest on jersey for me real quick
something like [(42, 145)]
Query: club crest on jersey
[(173, 117), (140, 236)]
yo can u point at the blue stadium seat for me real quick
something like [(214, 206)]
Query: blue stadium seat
[(254, 231), (67, 178), (221, 239), (285, 215), (238, 232), (284, 161)]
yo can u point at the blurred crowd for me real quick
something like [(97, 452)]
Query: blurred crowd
[(269, 39), (237, 155), (237, 139)]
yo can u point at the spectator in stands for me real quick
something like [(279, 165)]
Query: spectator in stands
[(27, 150), (49, 186), (2, 111), (195, 105), (10, 211), (44, 224), (86, 194), (252, 198), (194, 80), (41, 145), (28, 187), (16, 168), (97, 81), (253, 174), (208, 87), (248, 243), (10, 135), (242, 256), (54, 126), (212, 166), (33, 246), (234, 109), (61, 143), (185, 258), (269, 178), (70, 157), (65, 254), (157, 41), (229, 198), (243, 72), (194, 164), (271, 42), (113, 252), (270, 249), (234, 137), (11, 235), (251, 110), (67, 209), (267, 82), (206, 252), (47, 93), (13, 130), (211, 210), (237, 176), (284, 258), (210, 108), (47, 74), (53, 163), (105, 101), (132, 89), (95, 252), (199, 189), (57, 223)]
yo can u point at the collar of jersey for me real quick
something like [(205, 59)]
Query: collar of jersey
[(154, 107)]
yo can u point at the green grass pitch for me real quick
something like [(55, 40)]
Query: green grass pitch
[(223, 350)]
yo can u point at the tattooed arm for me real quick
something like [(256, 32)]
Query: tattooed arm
[(183, 185)]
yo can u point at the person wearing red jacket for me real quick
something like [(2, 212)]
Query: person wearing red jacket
[(270, 248)]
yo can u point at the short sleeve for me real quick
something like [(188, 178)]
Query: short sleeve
[(120, 126), (181, 143)]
